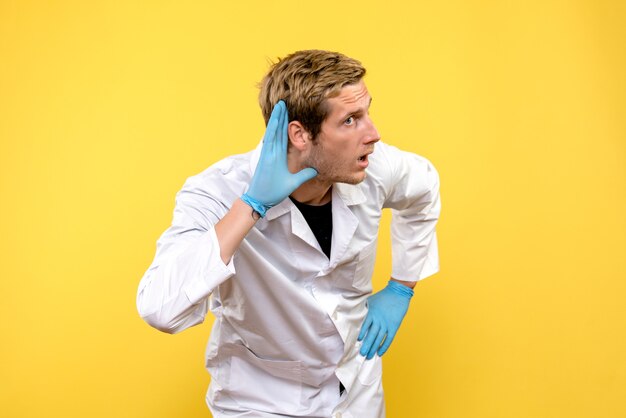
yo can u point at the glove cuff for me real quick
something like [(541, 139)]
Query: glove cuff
[(257, 206), (400, 289)]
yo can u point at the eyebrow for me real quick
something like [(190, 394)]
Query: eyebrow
[(354, 112)]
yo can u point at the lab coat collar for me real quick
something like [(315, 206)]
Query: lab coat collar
[(283, 207), (351, 194)]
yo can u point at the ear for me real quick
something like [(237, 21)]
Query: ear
[(299, 137)]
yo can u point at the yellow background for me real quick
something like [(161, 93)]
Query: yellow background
[(107, 107)]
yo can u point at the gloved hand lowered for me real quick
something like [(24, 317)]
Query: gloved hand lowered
[(272, 181), (386, 309)]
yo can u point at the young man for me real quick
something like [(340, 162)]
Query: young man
[(280, 244)]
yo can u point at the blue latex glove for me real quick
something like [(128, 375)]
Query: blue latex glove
[(272, 181), (386, 309)]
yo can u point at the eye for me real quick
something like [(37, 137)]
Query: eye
[(349, 121)]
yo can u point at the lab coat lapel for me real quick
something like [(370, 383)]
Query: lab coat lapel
[(297, 225), (301, 229), (345, 222)]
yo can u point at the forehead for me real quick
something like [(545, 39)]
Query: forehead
[(350, 96)]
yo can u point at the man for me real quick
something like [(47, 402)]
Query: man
[(280, 244)]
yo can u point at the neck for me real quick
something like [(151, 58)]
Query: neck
[(313, 192)]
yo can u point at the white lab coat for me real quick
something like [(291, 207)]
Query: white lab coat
[(286, 317)]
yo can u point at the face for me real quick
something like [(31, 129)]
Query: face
[(340, 151)]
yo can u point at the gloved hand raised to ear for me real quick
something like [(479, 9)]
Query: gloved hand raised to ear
[(272, 181), (385, 311)]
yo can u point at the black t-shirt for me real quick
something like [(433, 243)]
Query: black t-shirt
[(320, 220)]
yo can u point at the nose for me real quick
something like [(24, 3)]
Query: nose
[(372, 133)]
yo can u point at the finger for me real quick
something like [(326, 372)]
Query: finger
[(304, 175), (268, 136), (276, 128), (390, 336), (284, 136), (369, 339), (379, 339), (365, 327), (274, 118), (272, 124)]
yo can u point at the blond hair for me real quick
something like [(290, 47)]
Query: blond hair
[(304, 80)]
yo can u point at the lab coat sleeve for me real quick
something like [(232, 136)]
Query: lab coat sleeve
[(174, 292), (413, 196)]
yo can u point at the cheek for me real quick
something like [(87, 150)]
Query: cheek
[(347, 152)]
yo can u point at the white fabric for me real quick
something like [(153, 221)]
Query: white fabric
[(287, 320)]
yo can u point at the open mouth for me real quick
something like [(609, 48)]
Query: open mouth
[(364, 157)]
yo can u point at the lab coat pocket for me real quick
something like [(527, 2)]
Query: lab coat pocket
[(265, 385), (365, 268)]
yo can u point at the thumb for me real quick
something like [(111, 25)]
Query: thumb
[(304, 175)]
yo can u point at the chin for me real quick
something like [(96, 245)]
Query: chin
[(335, 176), (355, 179)]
